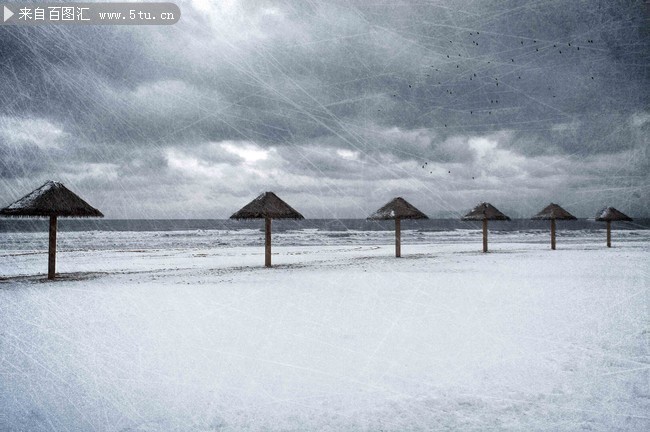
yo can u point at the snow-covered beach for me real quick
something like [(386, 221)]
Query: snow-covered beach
[(336, 337)]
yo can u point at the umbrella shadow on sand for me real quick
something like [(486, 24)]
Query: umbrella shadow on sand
[(60, 277)]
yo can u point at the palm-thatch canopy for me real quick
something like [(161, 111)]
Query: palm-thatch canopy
[(397, 208), (610, 214), (484, 211), (267, 206), (51, 199), (553, 211)]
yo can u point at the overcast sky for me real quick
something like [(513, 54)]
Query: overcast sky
[(337, 107)]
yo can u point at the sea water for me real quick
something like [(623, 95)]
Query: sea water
[(129, 234)]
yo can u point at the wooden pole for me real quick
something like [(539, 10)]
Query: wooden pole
[(398, 245), (485, 235), (609, 233), (553, 234), (267, 242), (51, 256)]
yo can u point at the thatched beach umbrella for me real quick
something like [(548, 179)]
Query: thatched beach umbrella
[(553, 212), (51, 200), (397, 209), (609, 215), (267, 206), (485, 212)]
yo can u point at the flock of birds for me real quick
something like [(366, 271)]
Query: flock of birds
[(449, 172), (480, 76)]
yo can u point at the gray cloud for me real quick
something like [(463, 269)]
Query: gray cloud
[(346, 99)]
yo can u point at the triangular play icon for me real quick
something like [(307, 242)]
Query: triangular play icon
[(7, 14)]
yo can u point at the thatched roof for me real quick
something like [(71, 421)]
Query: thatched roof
[(397, 208), (553, 211), (51, 199), (611, 214), (267, 205), (484, 211)]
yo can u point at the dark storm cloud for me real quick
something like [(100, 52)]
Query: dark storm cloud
[(356, 64), (336, 91)]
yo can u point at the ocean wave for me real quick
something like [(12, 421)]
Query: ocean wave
[(202, 239)]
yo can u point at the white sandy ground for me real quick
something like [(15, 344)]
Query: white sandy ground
[(333, 338)]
